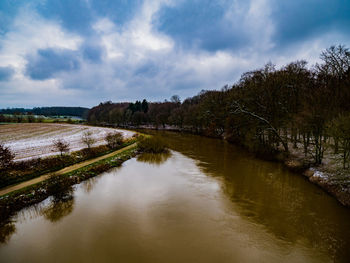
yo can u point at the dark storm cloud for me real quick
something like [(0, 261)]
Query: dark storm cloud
[(6, 73), (92, 53), (205, 24), (202, 23), (148, 69), (299, 19), (78, 16), (47, 62)]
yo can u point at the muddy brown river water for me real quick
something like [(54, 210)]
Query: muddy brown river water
[(207, 201)]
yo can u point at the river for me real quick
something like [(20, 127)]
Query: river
[(206, 201)]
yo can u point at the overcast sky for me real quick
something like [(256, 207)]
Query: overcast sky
[(83, 52)]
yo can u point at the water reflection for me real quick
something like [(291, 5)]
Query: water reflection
[(53, 209), (61, 206), (7, 229), (265, 193), (88, 185), (154, 158)]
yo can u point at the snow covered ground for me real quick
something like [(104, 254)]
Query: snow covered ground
[(32, 140)]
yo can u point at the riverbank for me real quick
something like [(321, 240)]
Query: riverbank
[(329, 176), (65, 170), (56, 184), (32, 169), (334, 181)]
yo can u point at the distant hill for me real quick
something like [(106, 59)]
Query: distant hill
[(50, 111)]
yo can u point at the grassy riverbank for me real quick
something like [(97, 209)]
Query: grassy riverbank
[(57, 184), (27, 170), (14, 201)]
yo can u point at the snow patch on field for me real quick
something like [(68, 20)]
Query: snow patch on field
[(29, 141)]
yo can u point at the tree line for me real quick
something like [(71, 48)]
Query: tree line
[(267, 110), (48, 111)]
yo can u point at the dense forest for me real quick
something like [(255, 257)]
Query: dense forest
[(267, 110), (49, 111)]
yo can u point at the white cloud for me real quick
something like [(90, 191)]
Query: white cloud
[(135, 39)]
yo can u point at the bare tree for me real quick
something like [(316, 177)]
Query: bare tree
[(114, 139), (336, 61), (6, 156), (175, 99), (87, 139), (239, 109), (61, 145), (340, 128)]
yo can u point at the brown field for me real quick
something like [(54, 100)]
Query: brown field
[(32, 140)]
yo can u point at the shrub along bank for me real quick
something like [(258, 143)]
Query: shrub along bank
[(152, 144)]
